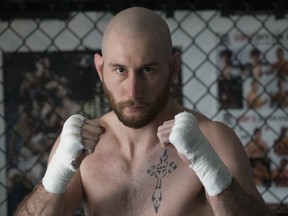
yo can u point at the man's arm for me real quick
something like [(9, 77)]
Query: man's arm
[(60, 191), (41, 202), (235, 201), (242, 196), (220, 162)]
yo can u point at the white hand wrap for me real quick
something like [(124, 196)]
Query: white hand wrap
[(60, 169), (189, 141)]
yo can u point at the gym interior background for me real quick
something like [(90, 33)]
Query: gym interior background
[(234, 69)]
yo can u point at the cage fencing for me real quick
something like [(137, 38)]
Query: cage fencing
[(234, 69)]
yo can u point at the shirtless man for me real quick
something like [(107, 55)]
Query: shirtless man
[(255, 56), (281, 65), (257, 147), (254, 96), (148, 156)]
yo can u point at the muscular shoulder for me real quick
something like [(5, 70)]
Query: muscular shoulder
[(219, 134), (108, 120), (221, 137), (225, 142)]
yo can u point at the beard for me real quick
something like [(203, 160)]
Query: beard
[(149, 112)]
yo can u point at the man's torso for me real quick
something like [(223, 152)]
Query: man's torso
[(156, 183)]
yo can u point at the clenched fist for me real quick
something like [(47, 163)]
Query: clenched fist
[(78, 139)]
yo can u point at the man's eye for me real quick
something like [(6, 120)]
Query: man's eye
[(148, 69), (120, 70)]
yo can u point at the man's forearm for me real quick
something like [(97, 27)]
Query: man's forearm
[(40, 202), (235, 201)]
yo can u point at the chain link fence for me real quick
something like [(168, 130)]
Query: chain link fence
[(234, 69)]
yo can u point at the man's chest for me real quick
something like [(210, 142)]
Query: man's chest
[(161, 185)]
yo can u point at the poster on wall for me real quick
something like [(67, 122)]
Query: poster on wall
[(41, 91), (253, 99)]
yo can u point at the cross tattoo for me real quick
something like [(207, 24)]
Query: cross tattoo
[(159, 171)]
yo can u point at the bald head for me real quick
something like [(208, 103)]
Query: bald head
[(137, 22)]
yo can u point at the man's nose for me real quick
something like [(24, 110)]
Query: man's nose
[(135, 84)]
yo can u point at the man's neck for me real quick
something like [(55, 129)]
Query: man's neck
[(144, 139)]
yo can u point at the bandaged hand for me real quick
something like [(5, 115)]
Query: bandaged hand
[(78, 139), (191, 144)]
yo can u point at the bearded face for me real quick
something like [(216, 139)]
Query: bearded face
[(149, 109)]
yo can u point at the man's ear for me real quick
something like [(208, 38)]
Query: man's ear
[(98, 61), (175, 66)]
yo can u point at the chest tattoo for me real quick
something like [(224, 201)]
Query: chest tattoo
[(159, 171)]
